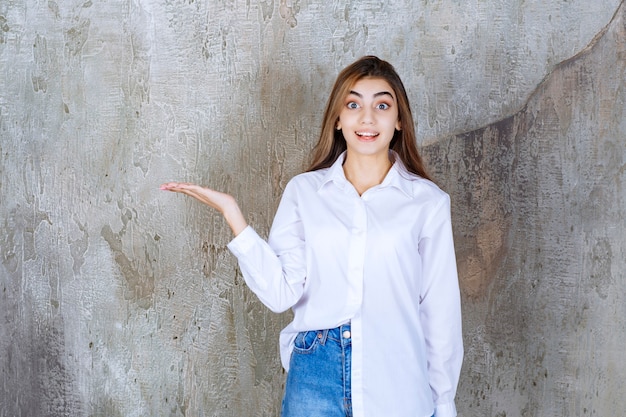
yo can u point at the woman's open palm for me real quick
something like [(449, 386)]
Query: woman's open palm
[(222, 202)]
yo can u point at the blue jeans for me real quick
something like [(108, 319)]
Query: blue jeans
[(318, 382)]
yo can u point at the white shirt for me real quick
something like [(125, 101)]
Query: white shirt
[(384, 262)]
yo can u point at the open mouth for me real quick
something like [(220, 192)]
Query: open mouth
[(367, 135)]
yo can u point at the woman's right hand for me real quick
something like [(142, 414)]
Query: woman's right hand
[(222, 202)]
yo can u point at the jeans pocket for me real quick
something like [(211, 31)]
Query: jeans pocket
[(306, 342)]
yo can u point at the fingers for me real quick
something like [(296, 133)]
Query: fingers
[(192, 190), (224, 203), (177, 186), (212, 198)]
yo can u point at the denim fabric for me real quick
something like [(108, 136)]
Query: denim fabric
[(318, 382)]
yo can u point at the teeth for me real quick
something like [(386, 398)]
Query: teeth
[(369, 134)]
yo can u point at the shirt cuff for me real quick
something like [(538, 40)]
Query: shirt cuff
[(243, 242), (445, 410)]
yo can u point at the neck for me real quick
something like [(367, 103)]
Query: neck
[(365, 172)]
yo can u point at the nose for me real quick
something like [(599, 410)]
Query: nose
[(367, 116)]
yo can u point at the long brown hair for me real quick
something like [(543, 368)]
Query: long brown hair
[(332, 143)]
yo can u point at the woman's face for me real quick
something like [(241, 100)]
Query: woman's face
[(369, 117)]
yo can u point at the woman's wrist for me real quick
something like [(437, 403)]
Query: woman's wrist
[(235, 219)]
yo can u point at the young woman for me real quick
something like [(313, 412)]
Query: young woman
[(361, 249)]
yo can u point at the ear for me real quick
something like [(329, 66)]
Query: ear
[(338, 125), (398, 125)]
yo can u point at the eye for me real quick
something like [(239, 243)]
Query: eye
[(382, 106), (352, 105)]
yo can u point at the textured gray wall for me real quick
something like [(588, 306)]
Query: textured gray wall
[(540, 216), (119, 300)]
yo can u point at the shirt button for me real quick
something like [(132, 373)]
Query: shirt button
[(346, 334)]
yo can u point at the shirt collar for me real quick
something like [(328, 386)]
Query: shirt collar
[(335, 173), (398, 176)]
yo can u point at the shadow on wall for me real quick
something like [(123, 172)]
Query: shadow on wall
[(539, 215)]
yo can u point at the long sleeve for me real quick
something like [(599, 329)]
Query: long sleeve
[(441, 308), (275, 270)]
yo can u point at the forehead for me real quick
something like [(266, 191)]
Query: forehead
[(371, 85)]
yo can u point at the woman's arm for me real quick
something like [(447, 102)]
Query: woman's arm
[(441, 308), (276, 272)]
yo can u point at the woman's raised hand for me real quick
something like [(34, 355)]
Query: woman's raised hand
[(222, 202)]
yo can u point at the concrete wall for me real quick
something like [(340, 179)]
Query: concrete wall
[(119, 300)]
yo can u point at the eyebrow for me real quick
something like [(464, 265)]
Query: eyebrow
[(382, 93)]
